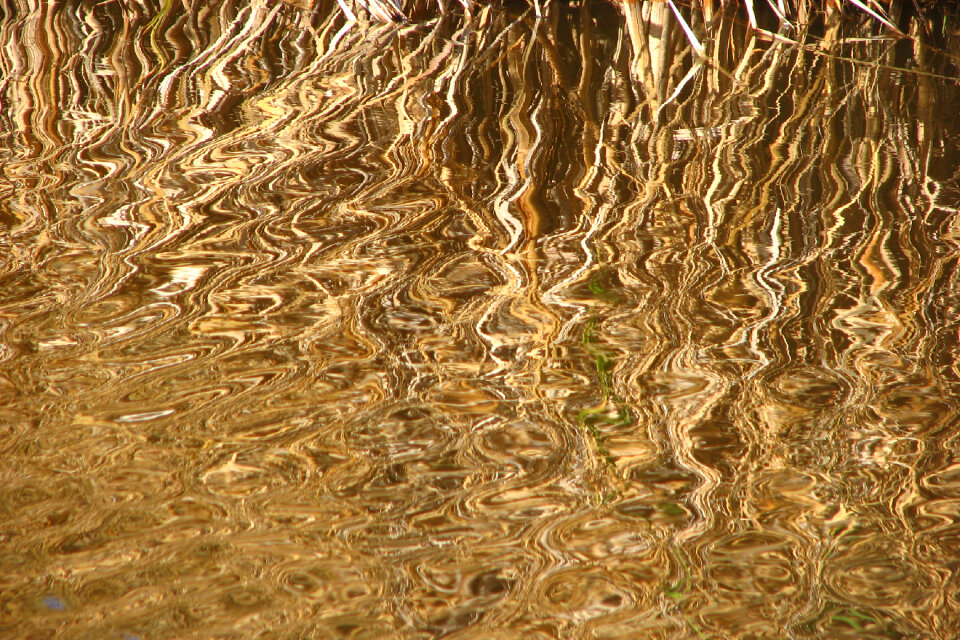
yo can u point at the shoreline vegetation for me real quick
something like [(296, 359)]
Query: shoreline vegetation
[(773, 17), (815, 23), (661, 31), (910, 34)]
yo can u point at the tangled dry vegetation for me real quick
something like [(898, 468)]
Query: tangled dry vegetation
[(799, 22), (789, 14), (650, 25)]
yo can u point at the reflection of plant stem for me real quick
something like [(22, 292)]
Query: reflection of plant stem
[(696, 628), (853, 617), (589, 418), (676, 592)]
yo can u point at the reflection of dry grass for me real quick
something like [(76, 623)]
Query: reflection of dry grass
[(785, 15)]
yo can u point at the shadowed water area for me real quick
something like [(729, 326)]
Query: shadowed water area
[(474, 328)]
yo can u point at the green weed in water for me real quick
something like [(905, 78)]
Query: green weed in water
[(612, 411), (671, 509), (854, 618)]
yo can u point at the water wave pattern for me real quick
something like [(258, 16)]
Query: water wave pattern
[(493, 327)]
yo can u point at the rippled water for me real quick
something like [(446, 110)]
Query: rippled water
[(488, 328)]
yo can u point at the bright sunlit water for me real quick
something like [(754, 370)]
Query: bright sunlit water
[(489, 328)]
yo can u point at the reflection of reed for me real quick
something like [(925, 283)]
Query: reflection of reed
[(329, 329)]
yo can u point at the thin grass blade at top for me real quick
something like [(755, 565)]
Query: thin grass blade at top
[(873, 13), (781, 14), (687, 30), (350, 15), (751, 15)]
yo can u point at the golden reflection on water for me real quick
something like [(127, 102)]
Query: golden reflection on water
[(479, 329)]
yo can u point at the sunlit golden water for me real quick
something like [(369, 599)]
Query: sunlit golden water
[(487, 328)]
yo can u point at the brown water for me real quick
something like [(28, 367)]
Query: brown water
[(473, 329)]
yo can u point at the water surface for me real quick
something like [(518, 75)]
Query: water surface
[(488, 328)]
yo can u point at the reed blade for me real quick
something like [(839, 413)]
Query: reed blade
[(694, 42), (873, 13)]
